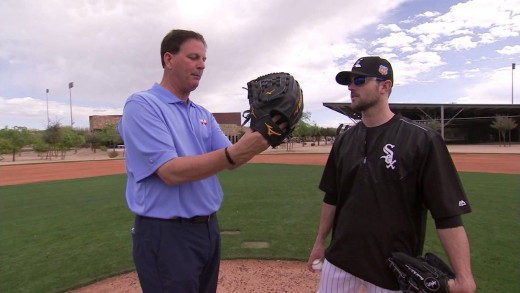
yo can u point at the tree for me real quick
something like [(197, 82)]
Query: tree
[(302, 131), (328, 132), (5, 147), (60, 140), (52, 136), (303, 127), (315, 132), (93, 138), (110, 136), (503, 124), (40, 148), (70, 139), (16, 138)]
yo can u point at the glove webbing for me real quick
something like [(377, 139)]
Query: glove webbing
[(406, 283)]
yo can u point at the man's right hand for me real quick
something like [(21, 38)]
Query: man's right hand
[(318, 252), (250, 144)]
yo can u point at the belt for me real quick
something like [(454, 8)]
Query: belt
[(196, 219)]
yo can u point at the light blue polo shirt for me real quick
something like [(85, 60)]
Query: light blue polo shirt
[(156, 127)]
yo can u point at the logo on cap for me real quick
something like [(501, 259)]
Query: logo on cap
[(383, 70)]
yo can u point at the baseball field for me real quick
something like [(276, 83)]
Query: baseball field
[(65, 224)]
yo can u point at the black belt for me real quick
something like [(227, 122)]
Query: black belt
[(196, 219)]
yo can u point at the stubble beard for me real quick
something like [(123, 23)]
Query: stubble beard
[(363, 104)]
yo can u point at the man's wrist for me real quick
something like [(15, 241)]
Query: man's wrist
[(228, 156)]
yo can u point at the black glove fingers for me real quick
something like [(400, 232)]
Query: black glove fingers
[(276, 105), (270, 130)]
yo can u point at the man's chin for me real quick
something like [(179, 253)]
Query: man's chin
[(356, 107), (194, 85)]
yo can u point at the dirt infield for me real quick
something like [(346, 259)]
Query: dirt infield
[(235, 275), (27, 173)]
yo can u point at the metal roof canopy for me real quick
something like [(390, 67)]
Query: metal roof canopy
[(439, 112)]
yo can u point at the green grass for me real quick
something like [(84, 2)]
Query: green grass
[(493, 229), (282, 210), (63, 234), (58, 234)]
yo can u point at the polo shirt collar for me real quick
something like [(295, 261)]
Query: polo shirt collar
[(166, 96)]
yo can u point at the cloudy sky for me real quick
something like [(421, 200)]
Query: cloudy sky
[(442, 52)]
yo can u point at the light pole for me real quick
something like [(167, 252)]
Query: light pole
[(71, 85), (48, 120), (512, 70)]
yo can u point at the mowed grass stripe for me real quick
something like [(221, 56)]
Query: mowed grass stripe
[(63, 234)]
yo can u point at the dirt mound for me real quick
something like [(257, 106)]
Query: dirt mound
[(252, 276)]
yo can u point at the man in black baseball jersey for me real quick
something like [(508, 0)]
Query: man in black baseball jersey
[(381, 177)]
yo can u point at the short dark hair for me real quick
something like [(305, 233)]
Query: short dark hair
[(174, 39)]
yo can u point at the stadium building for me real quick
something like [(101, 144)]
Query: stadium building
[(457, 123)]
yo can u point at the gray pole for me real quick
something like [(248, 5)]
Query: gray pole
[(512, 70), (48, 120), (442, 121), (71, 84)]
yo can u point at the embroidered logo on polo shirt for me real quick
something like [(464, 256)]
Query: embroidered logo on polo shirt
[(389, 158), (204, 122)]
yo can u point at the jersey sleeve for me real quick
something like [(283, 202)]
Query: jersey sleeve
[(328, 180), (443, 192)]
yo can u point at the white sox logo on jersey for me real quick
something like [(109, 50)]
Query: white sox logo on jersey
[(389, 158)]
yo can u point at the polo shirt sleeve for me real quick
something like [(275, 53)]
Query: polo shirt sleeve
[(443, 192), (147, 140)]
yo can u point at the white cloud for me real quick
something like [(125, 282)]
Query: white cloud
[(471, 73), (487, 38), (493, 87), (504, 31), (429, 14), (17, 111), (509, 50), (449, 75), (394, 40), (414, 67), (110, 49), (470, 17), (462, 43), (479, 13), (389, 27)]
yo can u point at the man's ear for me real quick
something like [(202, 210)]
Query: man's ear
[(387, 86), (167, 57)]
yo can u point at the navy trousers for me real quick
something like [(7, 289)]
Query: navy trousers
[(179, 257)]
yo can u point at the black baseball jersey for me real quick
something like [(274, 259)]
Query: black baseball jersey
[(382, 181)]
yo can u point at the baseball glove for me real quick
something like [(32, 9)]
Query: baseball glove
[(274, 94), (423, 274)]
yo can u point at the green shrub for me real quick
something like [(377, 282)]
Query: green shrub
[(113, 154)]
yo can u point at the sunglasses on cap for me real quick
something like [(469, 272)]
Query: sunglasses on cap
[(360, 80)]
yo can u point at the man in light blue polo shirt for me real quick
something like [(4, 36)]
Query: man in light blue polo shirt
[(174, 149)]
